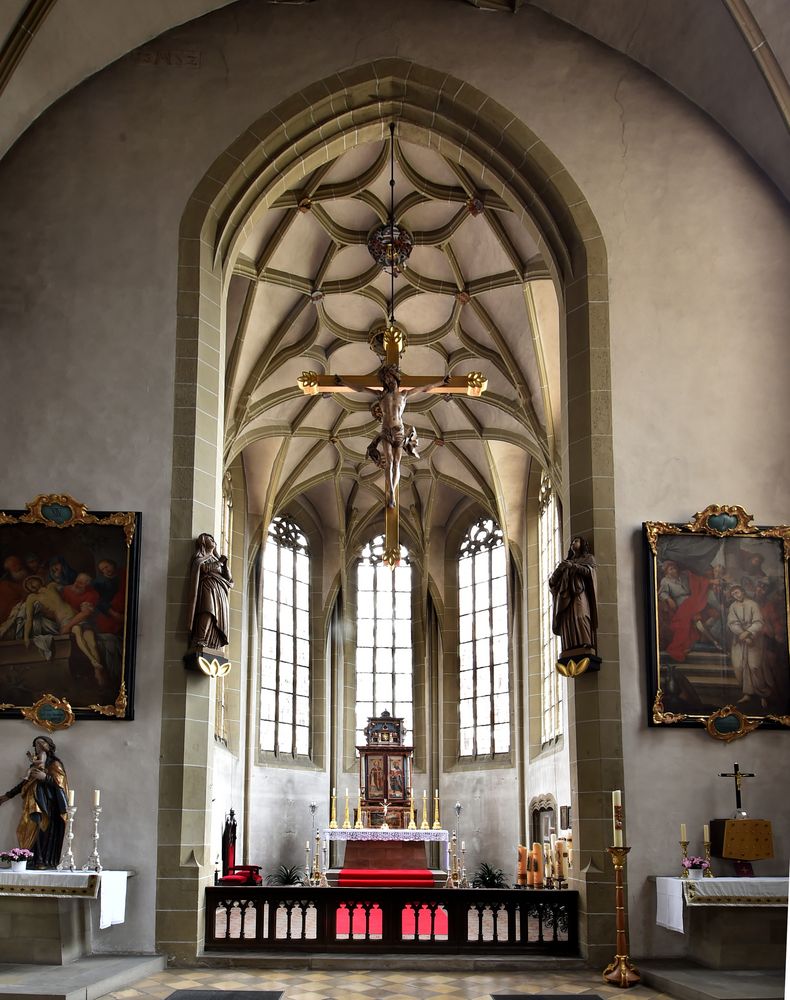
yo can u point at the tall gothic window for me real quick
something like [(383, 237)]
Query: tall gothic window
[(549, 555), (484, 702), (285, 640), (384, 652), (226, 547)]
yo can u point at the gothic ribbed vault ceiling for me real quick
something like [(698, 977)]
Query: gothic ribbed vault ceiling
[(474, 296)]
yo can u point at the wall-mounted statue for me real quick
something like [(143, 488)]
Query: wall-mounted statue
[(573, 586), (209, 597), (45, 797)]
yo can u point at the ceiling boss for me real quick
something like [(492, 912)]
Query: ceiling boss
[(390, 245)]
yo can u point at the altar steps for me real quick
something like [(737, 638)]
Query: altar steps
[(86, 979)]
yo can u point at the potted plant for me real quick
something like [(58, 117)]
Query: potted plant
[(286, 875), (488, 877), (695, 866), (18, 858)]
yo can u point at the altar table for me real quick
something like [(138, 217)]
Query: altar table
[(690, 906), (47, 903), (376, 848)]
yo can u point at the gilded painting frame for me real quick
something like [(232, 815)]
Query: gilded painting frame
[(69, 581), (717, 623)]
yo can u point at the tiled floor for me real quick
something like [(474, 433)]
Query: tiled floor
[(379, 985)]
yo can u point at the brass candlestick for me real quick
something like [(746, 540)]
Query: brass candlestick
[(684, 848), (358, 825), (436, 824), (620, 972), (424, 825), (333, 814), (307, 873), (708, 872), (346, 818)]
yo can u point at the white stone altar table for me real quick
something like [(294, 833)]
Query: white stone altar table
[(740, 939), (47, 902), (388, 837)]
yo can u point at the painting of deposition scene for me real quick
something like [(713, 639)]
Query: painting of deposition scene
[(68, 591), (719, 615)]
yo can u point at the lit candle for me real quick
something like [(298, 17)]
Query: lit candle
[(71, 796), (683, 832), (617, 817), (96, 797), (705, 833)]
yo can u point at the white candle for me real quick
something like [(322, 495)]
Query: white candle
[(683, 832), (705, 833), (346, 793), (463, 845), (307, 845), (71, 796), (436, 793), (96, 796), (617, 812), (333, 793)]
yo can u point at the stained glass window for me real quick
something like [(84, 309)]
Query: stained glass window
[(285, 640), (484, 696), (549, 555), (384, 650)]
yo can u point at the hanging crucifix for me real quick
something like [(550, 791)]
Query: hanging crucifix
[(390, 245), (739, 776)]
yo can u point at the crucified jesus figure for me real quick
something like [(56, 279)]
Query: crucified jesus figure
[(387, 448)]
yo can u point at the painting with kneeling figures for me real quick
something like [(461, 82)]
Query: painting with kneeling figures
[(717, 623), (68, 602)]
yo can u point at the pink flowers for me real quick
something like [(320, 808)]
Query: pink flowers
[(16, 854), (695, 862)]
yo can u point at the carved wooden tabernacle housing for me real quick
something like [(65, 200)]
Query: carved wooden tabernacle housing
[(385, 773)]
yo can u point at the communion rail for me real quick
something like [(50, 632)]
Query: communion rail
[(434, 920)]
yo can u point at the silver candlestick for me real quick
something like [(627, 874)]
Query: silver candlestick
[(94, 861), (67, 861)]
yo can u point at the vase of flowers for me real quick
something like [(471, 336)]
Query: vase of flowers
[(695, 866), (17, 858)]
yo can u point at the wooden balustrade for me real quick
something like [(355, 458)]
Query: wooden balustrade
[(431, 920)]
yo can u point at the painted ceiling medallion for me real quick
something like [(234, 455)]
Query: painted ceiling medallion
[(390, 245)]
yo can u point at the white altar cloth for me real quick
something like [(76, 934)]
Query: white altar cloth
[(375, 833), (673, 893), (108, 886)]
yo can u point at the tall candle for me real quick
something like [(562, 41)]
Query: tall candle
[(683, 832), (706, 833), (436, 793), (617, 817), (71, 796), (307, 845), (333, 791), (96, 796)]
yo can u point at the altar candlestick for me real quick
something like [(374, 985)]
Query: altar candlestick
[(617, 817)]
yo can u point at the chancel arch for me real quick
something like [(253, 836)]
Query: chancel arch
[(509, 272)]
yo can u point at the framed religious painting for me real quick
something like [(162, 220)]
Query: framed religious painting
[(68, 603), (717, 617), (375, 786)]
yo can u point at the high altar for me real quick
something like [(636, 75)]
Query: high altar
[(381, 838)]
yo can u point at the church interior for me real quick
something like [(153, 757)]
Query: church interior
[(560, 230)]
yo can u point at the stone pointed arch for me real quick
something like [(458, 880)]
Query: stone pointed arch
[(312, 126)]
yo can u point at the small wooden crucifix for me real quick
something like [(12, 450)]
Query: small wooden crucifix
[(391, 387), (739, 776)]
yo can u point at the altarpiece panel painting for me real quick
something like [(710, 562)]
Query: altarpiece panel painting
[(68, 599), (718, 623)]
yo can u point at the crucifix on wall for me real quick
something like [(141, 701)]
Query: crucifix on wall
[(390, 245)]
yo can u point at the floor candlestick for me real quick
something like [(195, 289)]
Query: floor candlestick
[(620, 972)]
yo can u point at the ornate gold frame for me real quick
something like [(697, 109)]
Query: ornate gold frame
[(34, 713), (60, 511), (727, 722)]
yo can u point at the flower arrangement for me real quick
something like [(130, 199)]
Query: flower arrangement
[(16, 854), (695, 862)]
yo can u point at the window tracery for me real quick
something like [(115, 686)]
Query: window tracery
[(285, 640), (549, 554)]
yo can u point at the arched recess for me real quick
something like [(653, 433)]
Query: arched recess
[(291, 140)]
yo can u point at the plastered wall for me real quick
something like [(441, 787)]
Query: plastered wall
[(697, 240)]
